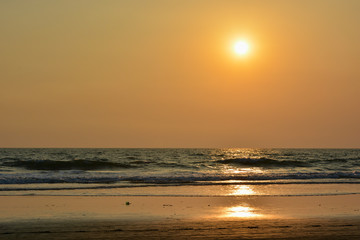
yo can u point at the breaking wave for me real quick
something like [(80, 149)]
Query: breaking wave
[(264, 162), (80, 164), (111, 177)]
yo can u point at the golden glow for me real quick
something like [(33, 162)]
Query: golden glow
[(243, 170), (241, 212), (152, 74), (242, 190), (241, 47)]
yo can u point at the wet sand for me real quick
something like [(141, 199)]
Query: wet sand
[(121, 217)]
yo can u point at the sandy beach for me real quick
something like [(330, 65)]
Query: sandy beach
[(159, 217), (231, 119)]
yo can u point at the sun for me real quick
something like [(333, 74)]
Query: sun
[(241, 48)]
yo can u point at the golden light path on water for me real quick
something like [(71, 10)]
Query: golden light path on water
[(238, 189), (241, 209), (241, 190), (240, 206), (241, 212)]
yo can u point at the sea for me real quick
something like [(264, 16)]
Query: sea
[(179, 172)]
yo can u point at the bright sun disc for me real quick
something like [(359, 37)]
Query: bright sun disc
[(241, 48)]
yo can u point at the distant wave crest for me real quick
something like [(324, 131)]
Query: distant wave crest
[(78, 164), (263, 162), (76, 176)]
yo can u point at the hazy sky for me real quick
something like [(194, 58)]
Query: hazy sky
[(163, 73)]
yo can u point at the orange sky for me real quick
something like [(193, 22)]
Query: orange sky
[(163, 74)]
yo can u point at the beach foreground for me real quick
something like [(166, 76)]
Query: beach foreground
[(250, 217)]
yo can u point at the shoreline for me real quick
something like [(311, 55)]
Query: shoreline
[(228, 190), (246, 217), (185, 207)]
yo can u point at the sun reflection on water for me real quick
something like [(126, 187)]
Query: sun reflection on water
[(242, 190), (241, 212), (242, 171)]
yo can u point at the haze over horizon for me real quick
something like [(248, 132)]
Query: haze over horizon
[(164, 74)]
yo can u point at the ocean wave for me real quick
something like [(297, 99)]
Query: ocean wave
[(78, 164), (175, 165), (264, 162), (245, 177), (174, 178), (145, 193), (343, 160)]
